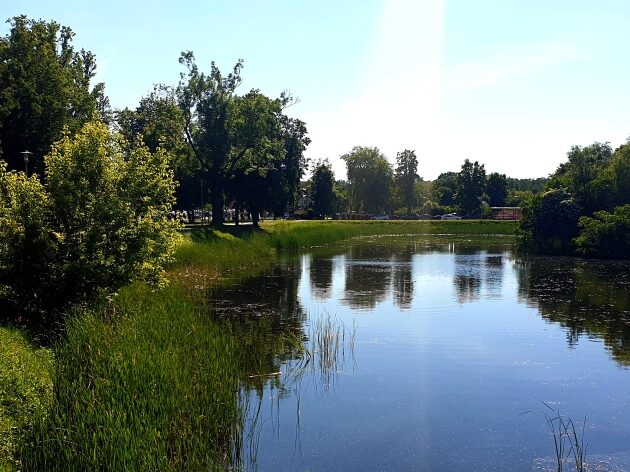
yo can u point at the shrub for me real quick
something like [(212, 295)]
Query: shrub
[(605, 234), (550, 222), (98, 221)]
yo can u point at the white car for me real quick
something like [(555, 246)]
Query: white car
[(451, 216)]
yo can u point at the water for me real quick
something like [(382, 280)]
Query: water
[(458, 343)]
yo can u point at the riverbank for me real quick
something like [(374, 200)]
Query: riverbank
[(147, 380)]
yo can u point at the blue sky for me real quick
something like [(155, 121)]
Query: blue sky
[(510, 83)]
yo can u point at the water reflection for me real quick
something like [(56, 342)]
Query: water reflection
[(465, 343), (321, 275), (368, 275), (402, 278), (585, 297)]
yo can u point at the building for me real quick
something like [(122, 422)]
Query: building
[(506, 213)]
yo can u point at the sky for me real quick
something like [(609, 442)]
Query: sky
[(512, 84)]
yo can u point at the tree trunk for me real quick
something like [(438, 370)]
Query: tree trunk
[(217, 201)]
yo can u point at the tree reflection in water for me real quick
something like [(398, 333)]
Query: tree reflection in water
[(279, 350), (584, 297)]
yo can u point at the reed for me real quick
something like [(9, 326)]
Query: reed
[(568, 443)]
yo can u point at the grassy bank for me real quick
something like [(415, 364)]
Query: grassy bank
[(291, 236), (148, 381)]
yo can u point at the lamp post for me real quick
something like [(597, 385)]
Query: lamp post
[(25, 154)]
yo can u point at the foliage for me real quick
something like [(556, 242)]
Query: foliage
[(445, 188), (582, 173), (44, 87), (605, 234), (244, 144), (323, 181), (497, 189), (519, 198), (370, 179), (471, 185), (527, 185), (98, 222), (592, 186), (550, 222), (159, 123), (406, 176)]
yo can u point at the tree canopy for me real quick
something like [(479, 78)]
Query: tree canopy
[(323, 182), (245, 146), (406, 176), (370, 177), (584, 207), (45, 87), (471, 185)]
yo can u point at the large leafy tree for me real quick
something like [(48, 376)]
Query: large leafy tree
[(323, 195), (206, 102), (445, 188), (582, 175), (244, 144), (406, 177), (471, 185), (497, 189), (257, 171), (158, 122), (45, 86), (370, 179)]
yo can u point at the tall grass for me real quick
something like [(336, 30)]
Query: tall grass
[(25, 388), (152, 387)]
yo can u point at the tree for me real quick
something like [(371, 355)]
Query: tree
[(323, 181), (244, 145), (206, 102), (295, 164), (370, 177), (406, 176), (497, 189), (44, 88), (445, 188), (257, 177), (159, 123), (471, 185), (97, 222), (581, 175)]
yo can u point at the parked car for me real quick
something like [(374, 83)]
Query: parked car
[(451, 216), (381, 217)]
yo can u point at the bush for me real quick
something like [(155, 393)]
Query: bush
[(550, 222), (605, 234), (98, 221)]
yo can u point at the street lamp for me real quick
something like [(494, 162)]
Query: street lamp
[(25, 154)]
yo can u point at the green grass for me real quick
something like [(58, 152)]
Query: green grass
[(149, 381), (25, 388), (149, 385), (292, 236)]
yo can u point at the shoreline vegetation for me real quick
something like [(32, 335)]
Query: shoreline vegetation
[(146, 379)]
